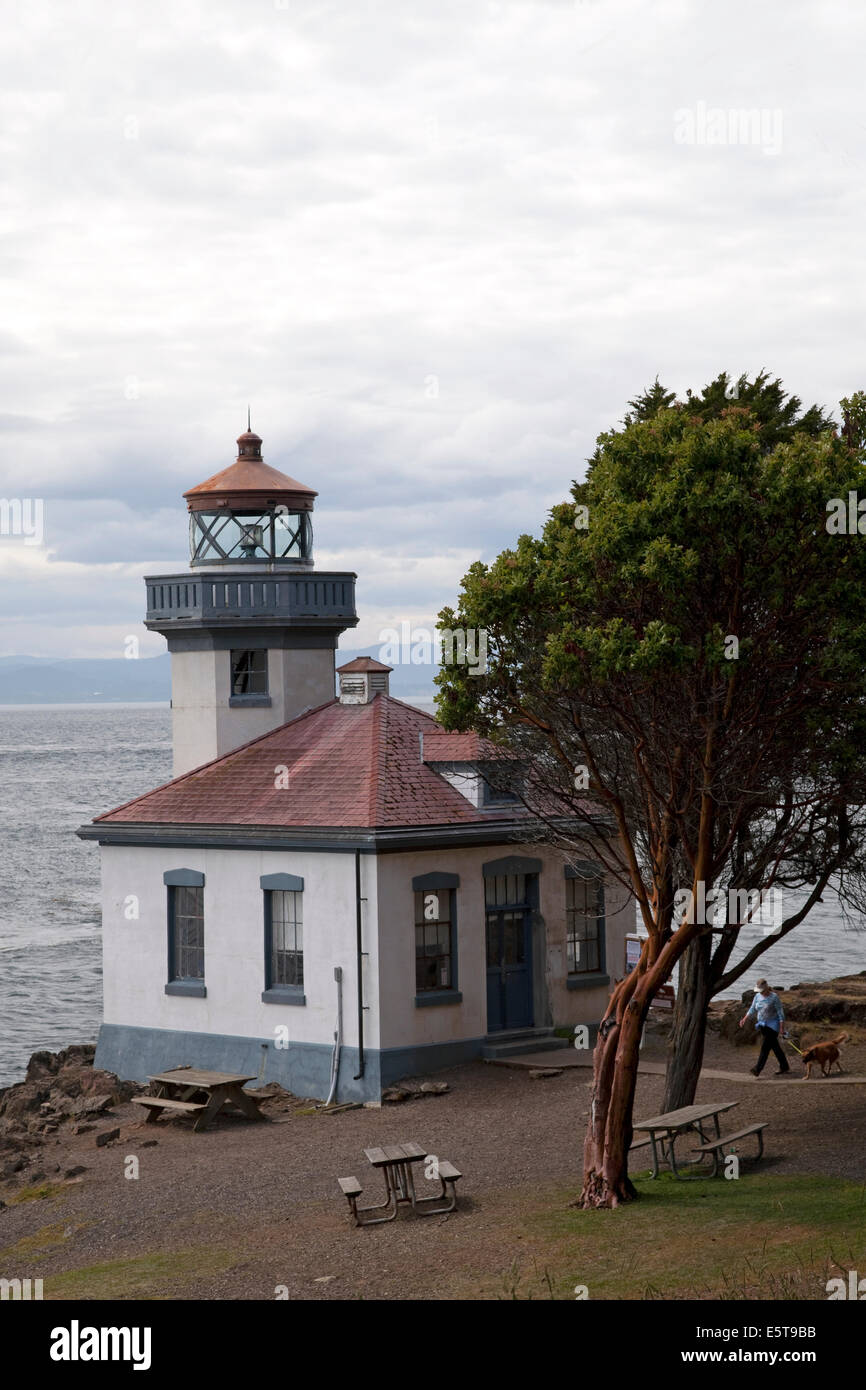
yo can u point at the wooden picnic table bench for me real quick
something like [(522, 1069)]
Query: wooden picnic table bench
[(665, 1130), (714, 1146), (180, 1091), (395, 1161)]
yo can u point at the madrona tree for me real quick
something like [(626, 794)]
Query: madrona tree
[(792, 862), (683, 654)]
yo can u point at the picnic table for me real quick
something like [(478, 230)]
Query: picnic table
[(666, 1129), (395, 1161), (188, 1091)]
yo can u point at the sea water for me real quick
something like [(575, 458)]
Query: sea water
[(59, 767)]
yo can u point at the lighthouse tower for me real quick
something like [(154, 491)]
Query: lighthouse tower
[(252, 626)]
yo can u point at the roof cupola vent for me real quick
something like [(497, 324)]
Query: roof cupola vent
[(362, 680)]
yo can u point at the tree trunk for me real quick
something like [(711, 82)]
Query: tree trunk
[(609, 1133), (689, 1025)]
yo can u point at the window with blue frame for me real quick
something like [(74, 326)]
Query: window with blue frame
[(284, 939), (285, 919), (434, 923), (584, 916), (249, 673), (186, 928)]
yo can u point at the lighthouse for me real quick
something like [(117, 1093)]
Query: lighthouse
[(252, 626), (331, 893)]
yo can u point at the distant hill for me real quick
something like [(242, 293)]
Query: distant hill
[(42, 680), (29, 680)]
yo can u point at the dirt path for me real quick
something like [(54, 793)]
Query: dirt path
[(243, 1209)]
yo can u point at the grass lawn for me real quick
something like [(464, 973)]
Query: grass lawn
[(158, 1274), (760, 1237)]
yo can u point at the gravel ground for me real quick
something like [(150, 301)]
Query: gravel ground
[(242, 1209)]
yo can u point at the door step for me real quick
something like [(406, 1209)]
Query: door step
[(518, 1043)]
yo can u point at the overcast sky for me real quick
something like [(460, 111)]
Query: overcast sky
[(435, 244)]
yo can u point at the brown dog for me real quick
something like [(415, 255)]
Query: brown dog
[(824, 1055)]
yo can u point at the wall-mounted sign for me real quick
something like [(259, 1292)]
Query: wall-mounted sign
[(632, 952)]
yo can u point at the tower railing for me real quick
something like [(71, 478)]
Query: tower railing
[(194, 597)]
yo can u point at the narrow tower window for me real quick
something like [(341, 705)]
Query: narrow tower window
[(249, 673)]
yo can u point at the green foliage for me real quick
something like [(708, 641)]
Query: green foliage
[(697, 530), (854, 416), (776, 415), (705, 605), (649, 403)]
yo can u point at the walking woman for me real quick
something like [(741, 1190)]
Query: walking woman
[(769, 1017)]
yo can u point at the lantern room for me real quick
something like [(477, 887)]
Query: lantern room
[(250, 513)]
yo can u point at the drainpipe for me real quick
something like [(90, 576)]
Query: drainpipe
[(360, 961), (338, 1037)]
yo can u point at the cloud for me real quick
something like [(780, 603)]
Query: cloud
[(437, 248)]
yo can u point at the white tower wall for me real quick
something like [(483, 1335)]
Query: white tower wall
[(205, 725)]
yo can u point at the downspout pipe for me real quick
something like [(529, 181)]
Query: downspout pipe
[(360, 963), (338, 1037)]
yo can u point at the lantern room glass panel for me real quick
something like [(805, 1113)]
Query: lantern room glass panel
[(228, 537)]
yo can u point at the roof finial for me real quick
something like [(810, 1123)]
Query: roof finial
[(249, 426)]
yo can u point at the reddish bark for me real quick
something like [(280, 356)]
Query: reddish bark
[(609, 1133), (605, 1181)]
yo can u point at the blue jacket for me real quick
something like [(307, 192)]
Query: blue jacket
[(767, 1010)]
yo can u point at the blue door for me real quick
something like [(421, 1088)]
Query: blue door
[(509, 951)]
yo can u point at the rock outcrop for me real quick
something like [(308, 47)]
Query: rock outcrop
[(810, 1008), (58, 1088)]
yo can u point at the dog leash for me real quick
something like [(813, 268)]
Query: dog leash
[(794, 1045)]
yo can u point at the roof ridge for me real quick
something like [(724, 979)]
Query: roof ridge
[(296, 719), (415, 710), (378, 753)]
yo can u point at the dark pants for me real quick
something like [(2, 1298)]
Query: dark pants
[(770, 1043)]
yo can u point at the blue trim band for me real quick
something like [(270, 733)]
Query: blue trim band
[(285, 995), (281, 883), (511, 864), (302, 1068), (421, 882), (438, 996), (183, 878)]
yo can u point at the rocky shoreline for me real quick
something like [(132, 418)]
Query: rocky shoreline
[(60, 1089), (811, 1008)]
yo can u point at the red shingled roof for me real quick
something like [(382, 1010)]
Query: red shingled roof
[(440, 747), (348, 765)]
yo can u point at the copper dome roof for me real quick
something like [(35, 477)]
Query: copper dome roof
[(249, 481)]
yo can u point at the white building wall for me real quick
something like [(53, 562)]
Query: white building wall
[(404, 1024), (135, 951), (135, 947), (464, 779)]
